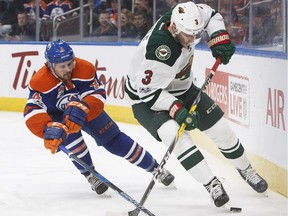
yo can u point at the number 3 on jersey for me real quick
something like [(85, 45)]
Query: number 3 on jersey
[(148, 77)]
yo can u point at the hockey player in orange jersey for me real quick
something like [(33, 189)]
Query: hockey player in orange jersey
[(65, 98)]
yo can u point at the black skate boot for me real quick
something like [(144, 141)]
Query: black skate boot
[(96, 184), (217, 192), (164, 177), (254, 179)]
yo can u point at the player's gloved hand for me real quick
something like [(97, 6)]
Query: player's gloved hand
[(181, 115), (221, 45), (54, 134), (74, 115)]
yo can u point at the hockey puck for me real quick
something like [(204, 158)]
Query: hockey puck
[(235, 209)]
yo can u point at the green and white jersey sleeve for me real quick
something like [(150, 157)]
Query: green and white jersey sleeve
[(213, 20)]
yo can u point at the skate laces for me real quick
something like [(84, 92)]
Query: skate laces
[(215, 188), (94, 181), (250, 175), (162, 174)]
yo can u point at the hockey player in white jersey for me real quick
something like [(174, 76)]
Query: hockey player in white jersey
[(160, 88)]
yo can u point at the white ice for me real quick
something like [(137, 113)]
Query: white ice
[(34, 182)]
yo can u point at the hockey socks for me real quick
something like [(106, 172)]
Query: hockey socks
[(123, 146)]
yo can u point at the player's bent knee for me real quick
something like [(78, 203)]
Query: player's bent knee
[(222, 134), (168, 131), (120, 145)]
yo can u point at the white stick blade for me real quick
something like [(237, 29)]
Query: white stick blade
[(110, 213)]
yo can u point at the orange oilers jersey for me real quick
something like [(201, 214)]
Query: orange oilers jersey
[(48, 96)]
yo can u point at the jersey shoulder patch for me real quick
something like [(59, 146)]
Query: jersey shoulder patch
[(161, 45)]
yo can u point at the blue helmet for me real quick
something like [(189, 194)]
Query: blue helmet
[(58, 51)]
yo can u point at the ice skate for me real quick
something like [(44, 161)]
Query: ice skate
[(254, 179), (164, 177), (217, 192), (96, 184)]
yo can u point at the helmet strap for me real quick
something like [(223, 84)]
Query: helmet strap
[(173, 30)]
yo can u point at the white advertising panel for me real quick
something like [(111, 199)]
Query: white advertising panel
[(20, 63), (253, 93)]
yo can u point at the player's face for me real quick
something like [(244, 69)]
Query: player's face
[(64, 70), (185, 40)]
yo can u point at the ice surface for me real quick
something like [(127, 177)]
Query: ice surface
[(36, 183)]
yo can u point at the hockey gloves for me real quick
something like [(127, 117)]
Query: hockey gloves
[(181, 115), (54, 134), (74, 115), (221, 45)]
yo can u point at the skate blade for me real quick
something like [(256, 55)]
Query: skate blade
[(172, 186), (265, 194), (105, 195)]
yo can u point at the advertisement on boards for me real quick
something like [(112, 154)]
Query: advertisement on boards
[(231, 93), (19, 65)]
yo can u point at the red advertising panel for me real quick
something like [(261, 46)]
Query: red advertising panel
[(231, 93)]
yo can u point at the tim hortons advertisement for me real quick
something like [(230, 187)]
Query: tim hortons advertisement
[(19, 66), (231, 93)]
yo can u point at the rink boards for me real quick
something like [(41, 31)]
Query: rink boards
[(251, 89)]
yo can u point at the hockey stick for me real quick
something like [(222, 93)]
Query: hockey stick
[(136, 211), (138, 206)]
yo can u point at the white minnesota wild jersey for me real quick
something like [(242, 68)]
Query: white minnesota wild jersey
[(161, 68)]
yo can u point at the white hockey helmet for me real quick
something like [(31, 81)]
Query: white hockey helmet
[(187, 18)]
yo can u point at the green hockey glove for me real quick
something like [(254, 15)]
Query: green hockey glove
[(221, 45), (181, 115)]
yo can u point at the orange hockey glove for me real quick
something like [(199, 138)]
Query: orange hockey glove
[(74, 115), (54, 134)]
